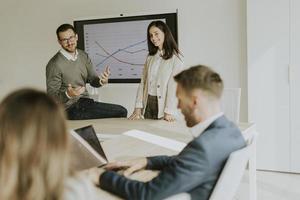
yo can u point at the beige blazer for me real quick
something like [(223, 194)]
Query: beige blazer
[(166, 86)]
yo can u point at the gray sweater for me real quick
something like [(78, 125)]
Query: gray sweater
[(60, 72)]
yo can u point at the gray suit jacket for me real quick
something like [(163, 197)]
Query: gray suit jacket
[(195, 170)]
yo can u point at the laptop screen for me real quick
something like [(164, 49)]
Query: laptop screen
[(89, 135)]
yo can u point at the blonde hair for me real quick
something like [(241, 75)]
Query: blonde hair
[(33, 147)]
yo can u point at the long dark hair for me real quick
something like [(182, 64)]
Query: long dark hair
[(169, 46)]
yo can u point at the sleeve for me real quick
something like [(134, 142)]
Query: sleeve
[(54, 82), (79, 188), (190, 168), (158, 162), (140, 91), (93, 77), (171, 100)]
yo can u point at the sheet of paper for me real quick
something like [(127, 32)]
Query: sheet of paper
[(155, 139), (103, 136)]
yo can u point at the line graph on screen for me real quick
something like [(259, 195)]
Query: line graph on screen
[(112, 55), (120, 42), (122, 46)]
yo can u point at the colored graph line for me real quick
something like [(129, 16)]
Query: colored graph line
[(118, 51), (133, 52), (98, 54)]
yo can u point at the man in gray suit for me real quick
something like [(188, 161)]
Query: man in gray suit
[(196, 168)]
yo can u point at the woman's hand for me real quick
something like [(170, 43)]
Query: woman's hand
[(169, 118), (137, 114)]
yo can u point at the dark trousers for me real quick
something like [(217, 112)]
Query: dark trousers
[(86, 108), (151, 111)]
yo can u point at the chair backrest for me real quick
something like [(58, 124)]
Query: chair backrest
[(230, 103), (180, 196), (233, 171)]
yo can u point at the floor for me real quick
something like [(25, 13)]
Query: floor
[(272, 186)]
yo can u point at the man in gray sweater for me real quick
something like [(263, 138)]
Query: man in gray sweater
[(67, 73)]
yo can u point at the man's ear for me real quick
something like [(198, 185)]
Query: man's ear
[(194, 100), (58, 40)]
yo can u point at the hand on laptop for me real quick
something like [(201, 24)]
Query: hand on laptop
[(130, 166)]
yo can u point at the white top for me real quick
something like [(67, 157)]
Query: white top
[(78, 188), (165, 85), (69, 56), (199, 128), (153, 69)]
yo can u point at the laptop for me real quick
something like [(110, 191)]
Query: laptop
[(86, 150)]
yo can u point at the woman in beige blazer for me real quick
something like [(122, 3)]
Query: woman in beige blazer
[(156, 98)]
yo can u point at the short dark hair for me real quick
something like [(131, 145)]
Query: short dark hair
[(201, 77), (170, 47), (63, 28)]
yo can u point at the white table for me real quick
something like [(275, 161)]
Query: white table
[(125, 147)]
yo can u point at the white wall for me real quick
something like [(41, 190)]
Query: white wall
[(273, 80), (210, 32), (268, 60)]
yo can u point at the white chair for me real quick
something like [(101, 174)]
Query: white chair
[(180, 196), (233, 171), (232, 174), (230, 103)]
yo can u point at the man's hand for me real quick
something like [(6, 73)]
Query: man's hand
[(75, 91), (130, 166), (137, 114), (104, 76), (169, 118)]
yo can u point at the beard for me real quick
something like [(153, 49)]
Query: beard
[(70, 48), (189, 123), (189, 119)]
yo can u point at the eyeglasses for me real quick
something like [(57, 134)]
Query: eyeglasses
[(66, 40)]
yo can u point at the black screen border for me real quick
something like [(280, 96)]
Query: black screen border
[(171, 21)]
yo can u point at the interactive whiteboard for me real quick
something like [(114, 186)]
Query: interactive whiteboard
[(120, 43)]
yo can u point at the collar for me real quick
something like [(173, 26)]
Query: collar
[(69, 56), (200, 127), (159, 53)]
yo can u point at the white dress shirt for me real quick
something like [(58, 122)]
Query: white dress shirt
[(69, 56), (153, 69), (200, 127)]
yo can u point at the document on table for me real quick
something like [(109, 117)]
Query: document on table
[(105, 136), (155, 139)]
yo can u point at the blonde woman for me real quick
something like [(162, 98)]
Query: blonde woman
[(34, 159)]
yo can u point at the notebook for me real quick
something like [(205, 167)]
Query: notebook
[(86, 150)]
